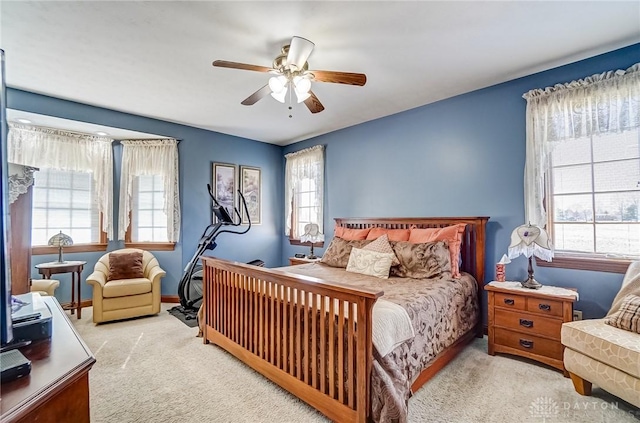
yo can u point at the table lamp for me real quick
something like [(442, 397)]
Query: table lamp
[(530, 240), (311, 234), (60, 240)]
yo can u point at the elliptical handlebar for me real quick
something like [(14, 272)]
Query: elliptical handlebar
[(223, 216)]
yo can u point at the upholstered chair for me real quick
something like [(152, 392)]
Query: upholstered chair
[(44, 286), (126, 283), (606, 352)]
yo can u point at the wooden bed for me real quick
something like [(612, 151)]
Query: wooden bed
[(273, 321)]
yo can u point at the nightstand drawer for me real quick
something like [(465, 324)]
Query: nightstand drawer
[(517, 302), (528, 323), (529, 343), (544, 306)]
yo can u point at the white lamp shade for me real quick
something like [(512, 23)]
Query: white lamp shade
[(278, 84), (280, 96), (311, 233), (530, 240), (303, 85), (302, 96)]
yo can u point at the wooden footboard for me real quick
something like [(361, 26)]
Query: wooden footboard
[(298, 331)]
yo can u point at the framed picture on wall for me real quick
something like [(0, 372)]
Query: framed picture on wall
[(225, 186), (250, 186)]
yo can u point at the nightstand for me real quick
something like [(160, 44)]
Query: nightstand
[(527, 323), (294, 261)]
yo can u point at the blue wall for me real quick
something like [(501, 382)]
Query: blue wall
[(198, 149), (462, 156)]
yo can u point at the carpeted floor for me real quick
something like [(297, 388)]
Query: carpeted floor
[(154, 369)]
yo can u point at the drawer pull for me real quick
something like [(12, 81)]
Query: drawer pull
[(509, 301), (526, 344), (526, 323), (545, 307)]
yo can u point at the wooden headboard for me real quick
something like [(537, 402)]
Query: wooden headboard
[(473, 241)]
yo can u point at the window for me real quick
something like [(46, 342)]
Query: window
[(582, 172), (595, 195), (62, 201), (73, 188), (304, 187), (148, 220), (149, 201)]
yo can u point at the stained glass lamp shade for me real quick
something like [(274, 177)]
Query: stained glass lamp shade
[(530, 240), (60, 240)]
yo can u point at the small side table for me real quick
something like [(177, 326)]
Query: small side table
[(294, 261), (527, 322), (73, 267)]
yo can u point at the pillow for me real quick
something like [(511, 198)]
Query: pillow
[(452, 234), (337, 253), (370, 263), (351, 234), (125, 266), (628, 317), (421, 261), (381, 245), (393, 234)]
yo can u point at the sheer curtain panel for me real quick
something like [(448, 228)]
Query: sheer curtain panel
[(150, 157), (304, 175), (47, 148), (599, 104)]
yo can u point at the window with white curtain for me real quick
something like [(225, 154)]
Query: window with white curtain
[(149, 197), (62, 201), (73, 187), (582, 174), (304, 190), (148, 219)]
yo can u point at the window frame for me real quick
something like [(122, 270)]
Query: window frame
[(144, 245), (100, 245), (296, 241), (598, 262)]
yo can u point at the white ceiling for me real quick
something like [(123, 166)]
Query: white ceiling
[(154, 58)]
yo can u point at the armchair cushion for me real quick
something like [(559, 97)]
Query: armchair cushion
[(124, 287), (616, 347), (125, 266)]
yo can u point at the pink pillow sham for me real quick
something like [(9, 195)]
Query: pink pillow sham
[(452, 234)]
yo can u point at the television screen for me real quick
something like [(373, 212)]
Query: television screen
[(6, 334)]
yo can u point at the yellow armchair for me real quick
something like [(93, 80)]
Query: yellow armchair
[(125, 298)]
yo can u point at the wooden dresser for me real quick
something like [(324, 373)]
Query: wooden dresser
[(527, 324), (57, 390)]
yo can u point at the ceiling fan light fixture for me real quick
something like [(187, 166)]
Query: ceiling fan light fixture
[(278, 84), (302, 96), (280, 96), (303, 85)]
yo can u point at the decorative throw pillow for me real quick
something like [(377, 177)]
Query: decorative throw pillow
[(421, 261), (125, 266), (628, 316), (370, 263), (392, 234), (381, 245), (337, 254), (452, 234), (351, 234)]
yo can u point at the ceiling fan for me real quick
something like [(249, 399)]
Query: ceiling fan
[(291, 74)]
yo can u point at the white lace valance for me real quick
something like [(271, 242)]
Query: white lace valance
[(20, 179), (304, 164), (605, 103), (150, 157), (47, 148)]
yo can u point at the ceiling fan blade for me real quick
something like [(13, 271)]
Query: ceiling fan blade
[(243, 66), (299, 51), (257, 96), (313, 104), (339, 77)]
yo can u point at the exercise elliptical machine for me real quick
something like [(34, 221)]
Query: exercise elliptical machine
[(190, 286)]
